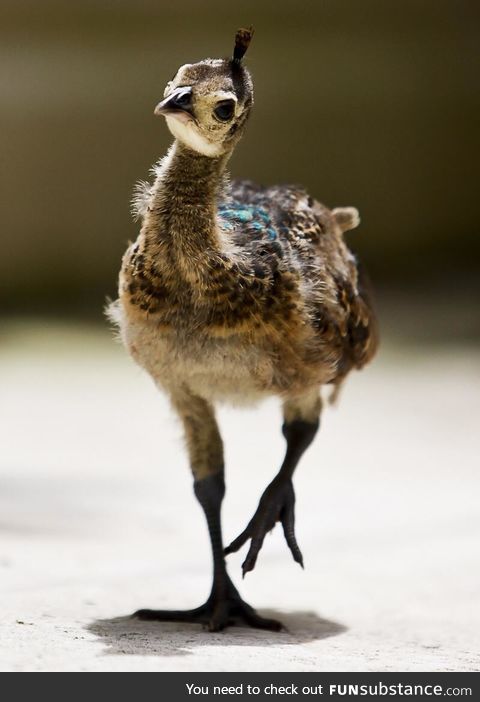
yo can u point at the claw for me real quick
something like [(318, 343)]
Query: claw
[(249, 563), (276, 505)]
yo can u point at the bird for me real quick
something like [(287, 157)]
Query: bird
[(234, 292)]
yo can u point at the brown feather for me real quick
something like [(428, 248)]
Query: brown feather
[(243, 37)]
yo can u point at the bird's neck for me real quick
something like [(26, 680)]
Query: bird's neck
[(182, 213)]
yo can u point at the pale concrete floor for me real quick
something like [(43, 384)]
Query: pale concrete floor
[(97, 518)]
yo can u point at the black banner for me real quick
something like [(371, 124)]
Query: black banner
[(242, 687)]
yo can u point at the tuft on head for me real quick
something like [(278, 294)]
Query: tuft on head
[(346, 217), (243, 37)]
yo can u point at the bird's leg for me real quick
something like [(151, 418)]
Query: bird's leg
[(277, 504), (224, 605)]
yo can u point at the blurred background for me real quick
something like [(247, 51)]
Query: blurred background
[(374, 104)]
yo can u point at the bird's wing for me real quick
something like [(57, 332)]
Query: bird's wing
[(360, 330), (305, 235)]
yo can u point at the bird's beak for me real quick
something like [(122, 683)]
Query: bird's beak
[(178, 104)]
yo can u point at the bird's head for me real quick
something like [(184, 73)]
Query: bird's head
[(206, 104)]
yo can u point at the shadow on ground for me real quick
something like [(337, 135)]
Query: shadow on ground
[(132, 637)]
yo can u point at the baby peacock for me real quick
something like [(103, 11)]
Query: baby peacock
[(236, 292)]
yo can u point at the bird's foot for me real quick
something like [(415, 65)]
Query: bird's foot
[(223, 608), (276, 505)]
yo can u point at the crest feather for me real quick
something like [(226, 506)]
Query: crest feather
[(243, 37)]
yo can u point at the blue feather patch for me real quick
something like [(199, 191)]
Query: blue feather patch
[(254, 217)]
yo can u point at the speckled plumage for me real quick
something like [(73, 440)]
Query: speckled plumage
[(280, 281), (234, 292)]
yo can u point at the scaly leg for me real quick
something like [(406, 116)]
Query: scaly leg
[(224, 605), (301, 420)]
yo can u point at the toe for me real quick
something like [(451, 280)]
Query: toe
[(255, 546), (255, 620), (288, 523), (144, 614), (238, 542)]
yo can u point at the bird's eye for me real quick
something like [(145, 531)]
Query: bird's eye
[(224, 110)]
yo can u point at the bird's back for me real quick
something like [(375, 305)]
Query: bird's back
[(285, 228)]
